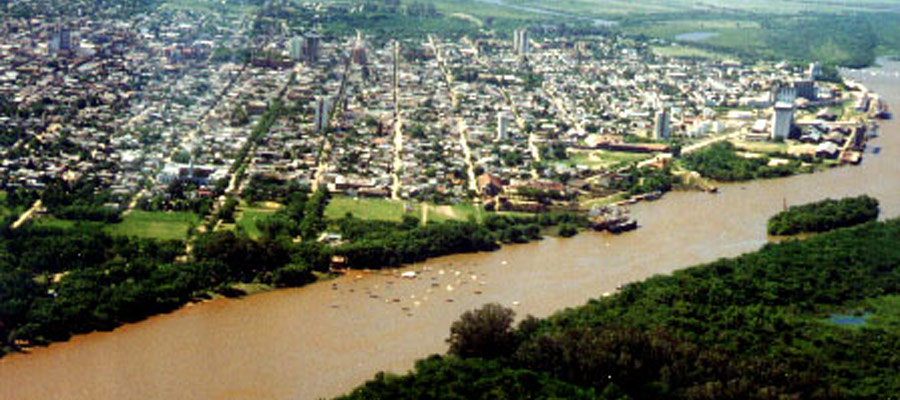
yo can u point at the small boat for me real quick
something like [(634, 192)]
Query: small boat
[(409, 275)]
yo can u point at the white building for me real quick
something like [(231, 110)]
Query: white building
[(782, 120), (502, 126), (521, 43), (295, 47)]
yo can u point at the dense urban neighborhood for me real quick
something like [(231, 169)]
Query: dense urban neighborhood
[(403, 163), (190, 104)]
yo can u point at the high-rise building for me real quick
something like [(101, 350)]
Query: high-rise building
[(814, 71), (311, 48), (295, 47), (521, 43), (661, 126), (782, 120), (359, 50), (322, 110), (63, 40), (502, 126), (784, 94), (806, 89)]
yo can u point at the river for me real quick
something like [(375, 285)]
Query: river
[(324, 339)]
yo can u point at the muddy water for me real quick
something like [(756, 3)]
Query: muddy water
[(324, 339)]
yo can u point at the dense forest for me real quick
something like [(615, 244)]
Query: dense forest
[(824, 216), (759, 326)]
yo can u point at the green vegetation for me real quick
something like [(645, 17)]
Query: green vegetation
[(156, 225), (377, 244), (721, 162), (752, 327), (368, 208), (646, 180), (824, 216)]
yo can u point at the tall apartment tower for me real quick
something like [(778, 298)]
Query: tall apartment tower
[(311, 47), (323, 108), (661, 128), (521, 42), (814, 71), (782, 120), (502, 126), (295, 47)]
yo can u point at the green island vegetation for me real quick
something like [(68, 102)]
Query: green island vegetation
[(721, 161), (824, 216), (813, 318)]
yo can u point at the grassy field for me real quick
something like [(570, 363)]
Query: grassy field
[(155, 224), (247, 217), (366, 208), (388, 210), (145, 224), (600, 159)]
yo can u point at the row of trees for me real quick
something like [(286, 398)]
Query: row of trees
[(753, 327), (824, 216), (380, 244)]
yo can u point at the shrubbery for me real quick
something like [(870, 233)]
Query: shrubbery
[(824, 216)]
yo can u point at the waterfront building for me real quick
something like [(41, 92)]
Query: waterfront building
[(782, 120), (806, 89), (814, 71)]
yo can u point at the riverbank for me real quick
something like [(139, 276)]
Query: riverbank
[(326, 338)]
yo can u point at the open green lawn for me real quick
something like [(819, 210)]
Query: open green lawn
[(366, 208), (146, 224), (154, 224), (389, 210), (247, 217)]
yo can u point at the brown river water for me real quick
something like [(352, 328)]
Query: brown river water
[(324, 339)]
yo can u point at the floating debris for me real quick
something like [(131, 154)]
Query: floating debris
[(449, 288), (449, 300), (396, 300), (477, 292), (409, 275), (417, 303), (515, 303), (503, 262)]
